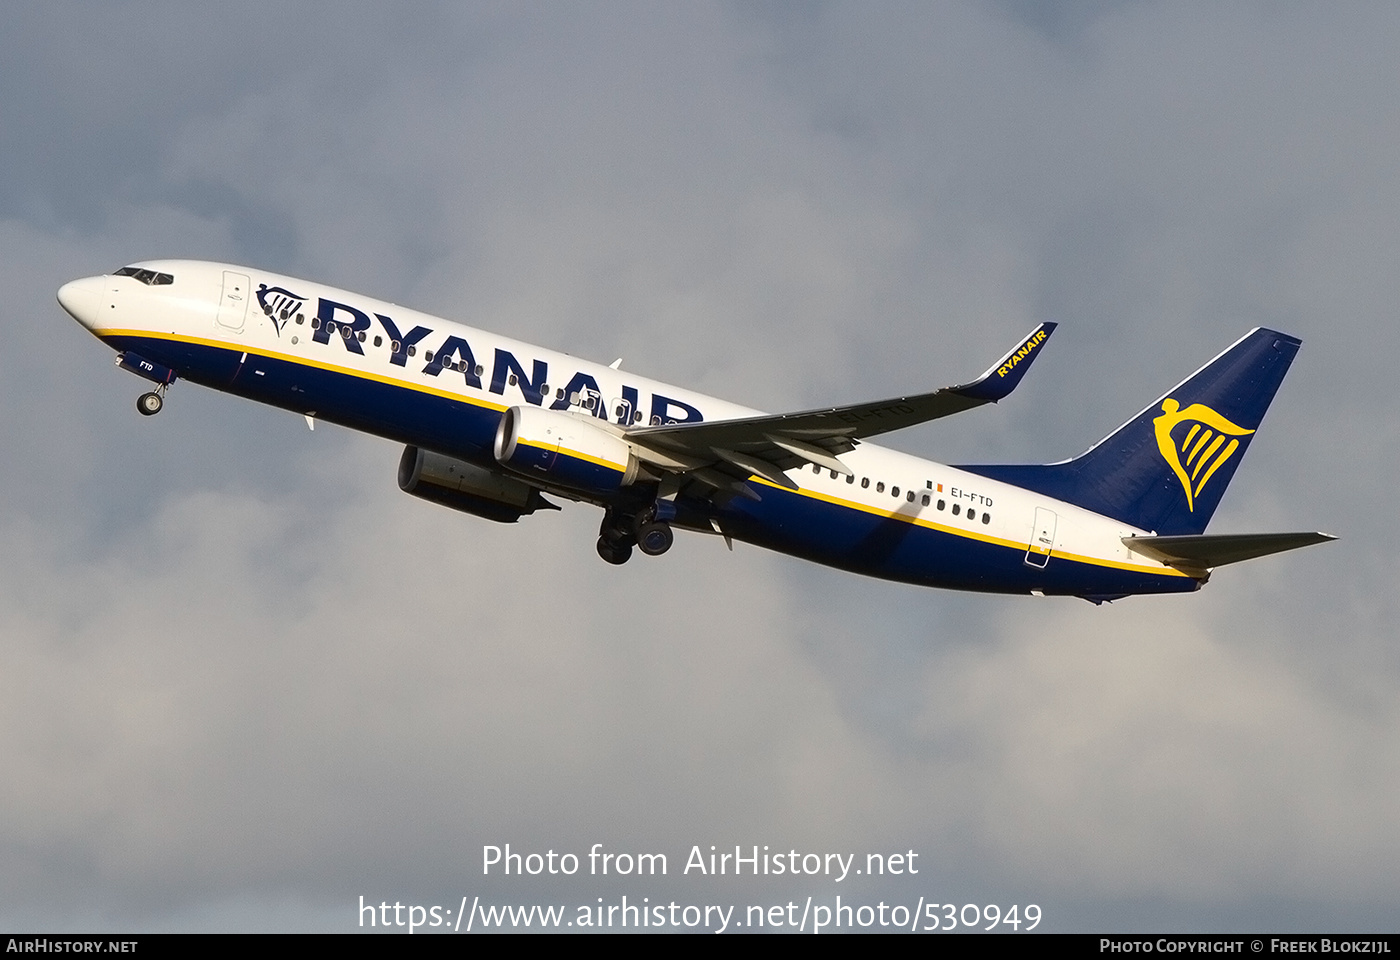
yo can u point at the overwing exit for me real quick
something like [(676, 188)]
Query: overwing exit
[(493, 427)]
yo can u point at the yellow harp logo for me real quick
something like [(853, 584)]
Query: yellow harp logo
[(1203, 449)]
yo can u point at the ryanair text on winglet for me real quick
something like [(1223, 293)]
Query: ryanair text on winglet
[(1036, 340)]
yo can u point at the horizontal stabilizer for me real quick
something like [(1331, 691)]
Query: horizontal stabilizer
[(1204, 551)]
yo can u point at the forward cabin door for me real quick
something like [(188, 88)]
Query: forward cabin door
[(233, 305), (1042, 538)]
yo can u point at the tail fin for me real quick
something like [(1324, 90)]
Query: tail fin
[(1167, 468)]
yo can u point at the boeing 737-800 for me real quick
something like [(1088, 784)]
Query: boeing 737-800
[(492, 425)]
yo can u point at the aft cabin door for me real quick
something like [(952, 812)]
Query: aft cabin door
[(1042, 538), (233, 305)]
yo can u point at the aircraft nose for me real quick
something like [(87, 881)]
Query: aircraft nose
[(83, 300)]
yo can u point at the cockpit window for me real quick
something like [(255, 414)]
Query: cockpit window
[(149, 277)]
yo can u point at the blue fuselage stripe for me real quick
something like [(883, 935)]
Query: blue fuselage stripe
[(786, 521)]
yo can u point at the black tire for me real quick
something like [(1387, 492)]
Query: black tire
[(149, 404), (655, 538), (616, 553)]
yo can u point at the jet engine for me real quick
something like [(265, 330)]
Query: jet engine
[(565, 450), (467, 487)]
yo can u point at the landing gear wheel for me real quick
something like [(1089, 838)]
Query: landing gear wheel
[(615, 552), (149, 404), (655, 538)]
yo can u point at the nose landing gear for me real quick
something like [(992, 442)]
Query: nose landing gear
[(149, 404)]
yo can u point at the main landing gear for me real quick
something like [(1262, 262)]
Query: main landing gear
[(649, 530), (618, 552), (655, 538), (149, 404)]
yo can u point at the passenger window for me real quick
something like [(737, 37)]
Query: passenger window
[(378, 340), (986, 517), (865, 483), (412, 350), (817, 469), (428, 356), (834, 474), (911, 496), (941, 504), (880, 487), (513, 382), (361, 336), (957, 508), (925, 499), (301, 318), (894, 492), (972, 514), (850, 478), (315, 323)]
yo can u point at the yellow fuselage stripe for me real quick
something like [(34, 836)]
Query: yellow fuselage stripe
[(966, 534), (482, 402)]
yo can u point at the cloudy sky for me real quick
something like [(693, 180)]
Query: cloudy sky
[(246, 681)]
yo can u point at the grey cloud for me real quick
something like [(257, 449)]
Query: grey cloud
[(247, 680)]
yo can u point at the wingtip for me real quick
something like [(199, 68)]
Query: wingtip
[(1005, 375)]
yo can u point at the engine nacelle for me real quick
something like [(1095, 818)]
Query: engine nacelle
[(467, 487), (564, 449)]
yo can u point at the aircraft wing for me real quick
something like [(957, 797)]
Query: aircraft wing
[(726, 452)]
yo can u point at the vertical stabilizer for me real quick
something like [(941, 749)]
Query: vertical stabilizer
[(1166, 469)]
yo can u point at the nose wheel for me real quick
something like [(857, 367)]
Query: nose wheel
[(149, 404)]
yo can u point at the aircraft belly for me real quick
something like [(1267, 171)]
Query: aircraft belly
[(443, 424), (896, 548)]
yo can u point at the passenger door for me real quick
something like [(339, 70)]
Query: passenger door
[(1042, 538)]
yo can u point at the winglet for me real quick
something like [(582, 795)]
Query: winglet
[(1004, 375)]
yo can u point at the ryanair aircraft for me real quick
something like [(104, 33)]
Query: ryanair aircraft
[(492, 425)]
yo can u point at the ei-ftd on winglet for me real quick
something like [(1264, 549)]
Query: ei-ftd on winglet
[(490, 425)]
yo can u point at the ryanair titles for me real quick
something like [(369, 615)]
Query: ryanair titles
[(454, 356), (1037, 338)]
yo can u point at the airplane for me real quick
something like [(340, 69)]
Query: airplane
[(491, 425)]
